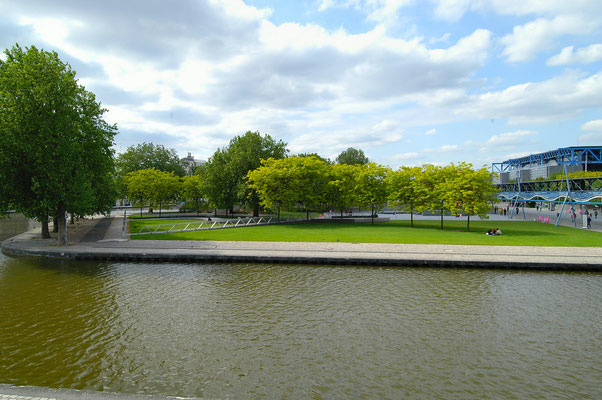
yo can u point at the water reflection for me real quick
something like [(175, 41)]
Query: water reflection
[(282, 331)]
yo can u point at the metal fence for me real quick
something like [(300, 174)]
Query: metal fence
[(207, 225)]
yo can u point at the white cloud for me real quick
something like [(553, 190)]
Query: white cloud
[(407, 156), (556, 99), (381, 11), (595, 126), (527, 40), (430, 132), (542, 7), (583, 55), (510, 138), (451, 10), (442, 39), (594, 135)]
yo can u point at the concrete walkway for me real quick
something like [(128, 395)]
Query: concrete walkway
[(10, 392), (100, 239)]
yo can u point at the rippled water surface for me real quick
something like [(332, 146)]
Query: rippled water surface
[(282, 331)]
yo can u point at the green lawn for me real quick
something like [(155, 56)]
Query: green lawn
[(515, 233)]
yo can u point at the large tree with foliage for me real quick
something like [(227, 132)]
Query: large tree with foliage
[(55, 147), (291, 181), (151, 187), (149, 156), (352, 156), (469, 191), (191, 189), (223, 175), (403, 189), (341, 192), (428, 190), (272, 183), (371, 186), (217, 183)]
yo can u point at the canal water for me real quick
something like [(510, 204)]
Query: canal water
[(290, 331)]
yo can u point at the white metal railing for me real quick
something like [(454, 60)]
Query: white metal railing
[(206, 225)]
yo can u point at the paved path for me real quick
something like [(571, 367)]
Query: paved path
[(10, 392), (100, 239)]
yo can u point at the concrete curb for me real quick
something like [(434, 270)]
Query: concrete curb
[(10, 392), (290, 253)]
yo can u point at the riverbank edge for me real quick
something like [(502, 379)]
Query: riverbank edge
[(100, 239), (306, 253), (13, 392)]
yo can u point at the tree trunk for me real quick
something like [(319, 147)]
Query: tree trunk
[(441, 212), (197, 206), (372, 215), (307, 214), (159, 208), (55, 224), (62, 222), (45, 230), (468, 223), (72, 220), (256, 210), (412, 217), (278, 214)]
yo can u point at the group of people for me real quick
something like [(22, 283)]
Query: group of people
[(494, 231), (500, 210)]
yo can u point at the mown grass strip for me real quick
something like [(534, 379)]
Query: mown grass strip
[(515, 233)]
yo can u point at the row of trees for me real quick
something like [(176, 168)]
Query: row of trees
[(151, 173), (312, 184)]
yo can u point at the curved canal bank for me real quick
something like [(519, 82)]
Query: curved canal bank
[(100, 239)]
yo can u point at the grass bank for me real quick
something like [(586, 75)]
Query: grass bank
[(515, 233)]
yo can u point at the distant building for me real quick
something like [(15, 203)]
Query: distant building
[(190, 164), (543, 165)]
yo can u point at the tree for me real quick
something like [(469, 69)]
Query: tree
[(353, 157), (290, 181), (371, 186), (165, 187), (469, 191), (224, 173), (55, 147), (191, 189), (403, 190), (272, 185), (217, 181), (319, 157), (341, 186), (147, 156), (428, 190), (152, 187)]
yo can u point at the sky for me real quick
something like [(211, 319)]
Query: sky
[(408, 82)]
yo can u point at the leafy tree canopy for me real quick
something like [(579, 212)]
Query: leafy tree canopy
[(353, 157), (149, 156), (319, 157), (223, 175), (55, 147), (152, 187), (291, 181)]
